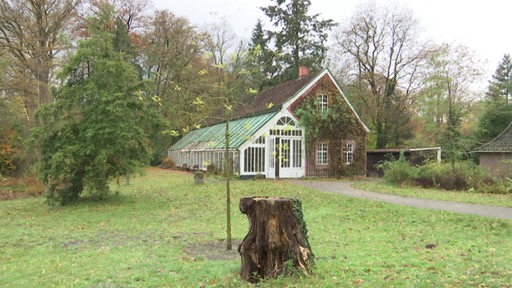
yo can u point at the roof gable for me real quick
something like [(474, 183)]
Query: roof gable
[(286, 94), (304, 90), (502, 142)]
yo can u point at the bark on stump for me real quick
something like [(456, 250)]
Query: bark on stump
[(277, 241)]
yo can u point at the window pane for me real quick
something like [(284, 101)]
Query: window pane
[(322, 154), (348, 153), (323, 103), (285, 153)]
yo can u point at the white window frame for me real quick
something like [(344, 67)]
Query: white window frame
[(322, 153), (323, 103), (348, 152)]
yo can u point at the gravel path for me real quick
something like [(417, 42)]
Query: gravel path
[(346, 188)]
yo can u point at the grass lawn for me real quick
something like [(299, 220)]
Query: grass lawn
[(163, 231), (504, 200)]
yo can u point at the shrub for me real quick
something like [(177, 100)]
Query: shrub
[(398, 171), (167, 163), (464, 175)]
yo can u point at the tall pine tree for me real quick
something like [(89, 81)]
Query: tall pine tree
[(498, 113), (260, 58), (500, 87), (298, 37)]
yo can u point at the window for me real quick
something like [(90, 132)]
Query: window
[(254, 156), (254, 159), (322, 154), (323, 103), (348, 153), (297, 153), (285, 121), (285, 153)]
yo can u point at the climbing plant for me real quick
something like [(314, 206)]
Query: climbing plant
[(334, 125)]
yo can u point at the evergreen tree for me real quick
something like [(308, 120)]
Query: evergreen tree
[(498, 111), (493, 121), (97, 127), (500, 87), (260, 58), (299, 38)]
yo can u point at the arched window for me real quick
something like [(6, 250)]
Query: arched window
[(285, 121), (286, 126)]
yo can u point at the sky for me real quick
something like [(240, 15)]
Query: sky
[(482, 26)]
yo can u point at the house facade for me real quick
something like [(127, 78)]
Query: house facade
[(496, 155), (304, 127)]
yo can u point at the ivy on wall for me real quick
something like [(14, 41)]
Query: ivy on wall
[(334, 126)]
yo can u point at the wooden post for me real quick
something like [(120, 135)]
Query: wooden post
[(277, 241)]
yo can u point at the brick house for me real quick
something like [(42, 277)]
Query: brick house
[(269, 138)]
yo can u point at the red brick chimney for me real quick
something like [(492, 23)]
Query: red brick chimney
[(303, 71)]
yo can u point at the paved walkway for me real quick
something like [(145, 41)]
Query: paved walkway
[(346, 188)]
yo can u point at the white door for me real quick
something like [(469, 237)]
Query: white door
[(290, 158)]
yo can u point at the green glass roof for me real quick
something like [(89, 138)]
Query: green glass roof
[(213, 137)]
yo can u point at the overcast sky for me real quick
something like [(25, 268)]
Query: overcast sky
[(482, 25)]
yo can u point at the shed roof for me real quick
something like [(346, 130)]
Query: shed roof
[(501, 144), (213, 137)]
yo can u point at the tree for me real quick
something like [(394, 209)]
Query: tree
[(217, 40), (381, 49), (493, 121), (132, 13), (299, 38), (31, 31), (500, 87), (12, 126), (232, 89), (183, 81), (96, 129), (498, 110), (260, 58), (449, 95)]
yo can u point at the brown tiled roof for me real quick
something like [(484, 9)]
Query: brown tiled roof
[(272, 98), (502, 143), (268, 100)]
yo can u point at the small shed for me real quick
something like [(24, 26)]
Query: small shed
[(496, 155)]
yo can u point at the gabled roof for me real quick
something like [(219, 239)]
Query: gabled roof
[(502, 143), (272, 98), (313, 81), (213, 137), (287, 93)]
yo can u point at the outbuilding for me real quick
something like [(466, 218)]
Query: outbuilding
[(496, 155)]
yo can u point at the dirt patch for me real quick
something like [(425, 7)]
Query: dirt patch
[(214, 250)]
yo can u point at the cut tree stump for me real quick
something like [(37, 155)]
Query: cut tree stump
[(277, 241)]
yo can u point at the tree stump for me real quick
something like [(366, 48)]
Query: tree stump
[(277, 241), (198, 177)]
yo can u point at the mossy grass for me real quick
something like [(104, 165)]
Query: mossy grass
[(143, 236)]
